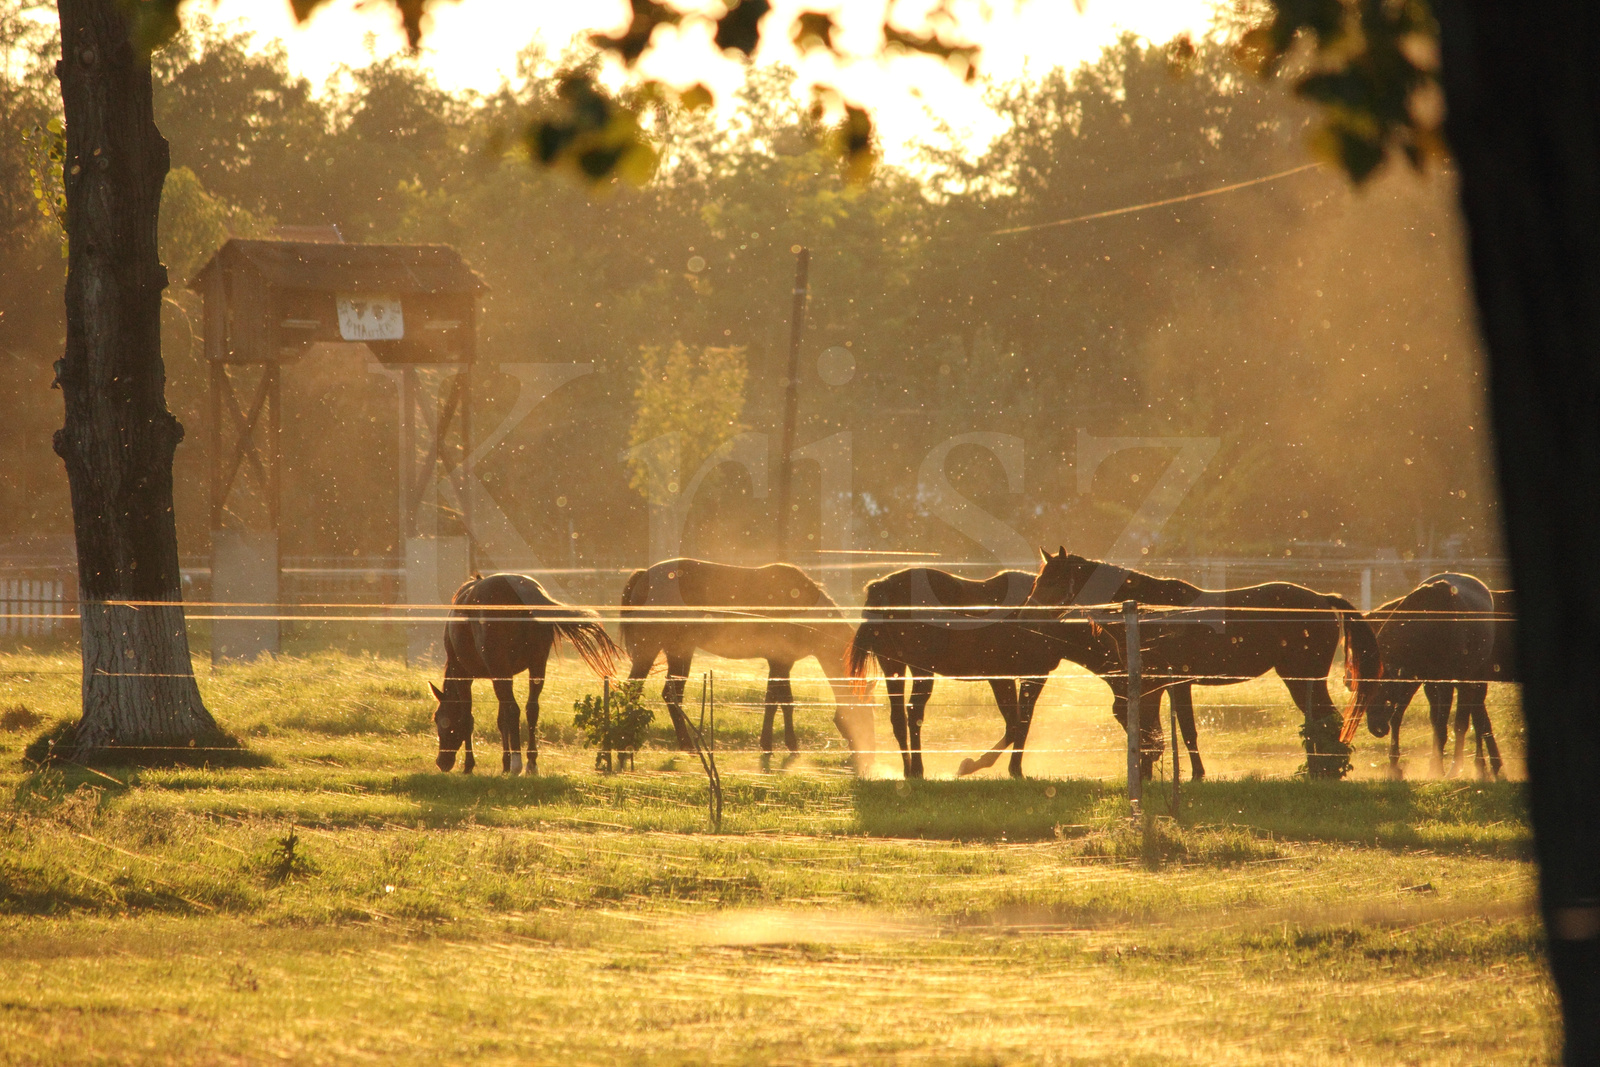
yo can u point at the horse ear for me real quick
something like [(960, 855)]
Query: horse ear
[(1062, 552), (437, 694), (1044, 554)]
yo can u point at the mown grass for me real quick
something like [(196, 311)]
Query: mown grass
[(345, 901)]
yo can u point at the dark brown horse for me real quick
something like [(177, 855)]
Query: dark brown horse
[(923, 621), (1441, 638), (1226, 636), (775, 613), (502, 625)]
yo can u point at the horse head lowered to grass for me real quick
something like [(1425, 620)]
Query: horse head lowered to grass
[(500, 626), (1441, 637)]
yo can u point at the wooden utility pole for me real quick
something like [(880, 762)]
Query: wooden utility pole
[(791, 399)]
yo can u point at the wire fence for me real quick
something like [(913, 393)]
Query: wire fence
[(35, 607)]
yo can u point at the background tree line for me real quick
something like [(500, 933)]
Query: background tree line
[(1321, 334)]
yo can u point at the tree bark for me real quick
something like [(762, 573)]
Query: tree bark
[(118, 439), (1523, 91)]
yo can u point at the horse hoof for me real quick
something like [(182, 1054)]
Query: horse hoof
[(968, 765), (790, 760)]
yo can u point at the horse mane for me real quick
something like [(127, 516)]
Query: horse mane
[(1363, 662)]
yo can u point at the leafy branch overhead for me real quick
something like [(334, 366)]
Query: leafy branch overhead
[(1371, 65), (1374, 70)]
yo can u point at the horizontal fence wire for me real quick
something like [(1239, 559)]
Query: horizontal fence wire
[(30, 607)]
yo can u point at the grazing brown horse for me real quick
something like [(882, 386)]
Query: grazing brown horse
[(923, 621), (774, 613), (1226, 636), (1439, 637), (1103, 583), (500, 626)]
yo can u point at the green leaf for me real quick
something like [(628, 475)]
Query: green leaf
[(740, 28), (631, 43)]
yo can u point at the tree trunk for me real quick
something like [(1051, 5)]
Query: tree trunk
[(138, 684), (1523, 89)]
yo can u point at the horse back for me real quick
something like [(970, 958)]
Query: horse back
[(984, 642), (733, 594), (699, 583), (1442, 630), (501, 643), (930, 587), (1150, 589)]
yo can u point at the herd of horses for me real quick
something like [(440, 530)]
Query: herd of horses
[(1450, 637)]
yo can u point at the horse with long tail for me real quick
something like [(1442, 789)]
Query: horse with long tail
[(501, 625), (923, 622), (776, 613)]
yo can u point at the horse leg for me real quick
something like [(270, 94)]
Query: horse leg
[(1027, 697), (1439, 695), (786, 700), (1119, 704), (642, 660), (1476, 698), (894, 684), (1152, 737), (510, 727), (1005, 699), (1395, 773), (767, 715), (921, 690), (1464, 721), (672, 694), (535, 687), (1181, 698)]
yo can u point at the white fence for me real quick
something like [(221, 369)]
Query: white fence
[(33, 607)]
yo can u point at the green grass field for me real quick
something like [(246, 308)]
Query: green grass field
[(346, 902)]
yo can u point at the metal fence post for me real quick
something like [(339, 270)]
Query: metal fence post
[(1130, 630)]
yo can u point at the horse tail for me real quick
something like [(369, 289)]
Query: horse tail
[(1363, 663), (590, 641), (862, 646)]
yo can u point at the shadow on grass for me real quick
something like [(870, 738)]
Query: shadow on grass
[(58, 746), (461, 794), (996, 809), (1484, 818)]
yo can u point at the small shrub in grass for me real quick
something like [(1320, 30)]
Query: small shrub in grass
[(1157, 842), (1326, 755), (623, 729), (19, 717), (286, 861)]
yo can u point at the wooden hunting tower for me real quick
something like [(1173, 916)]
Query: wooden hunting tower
[(267, 303)]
